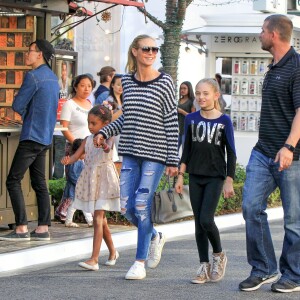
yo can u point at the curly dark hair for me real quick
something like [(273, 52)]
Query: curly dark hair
[(102, 112), (76, 144)]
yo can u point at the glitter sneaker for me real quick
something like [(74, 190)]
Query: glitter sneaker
[(218, 266), (202, 273)]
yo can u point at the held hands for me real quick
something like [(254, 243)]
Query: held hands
[(171, 171), (65, 160), (98, 141), (285, 158)]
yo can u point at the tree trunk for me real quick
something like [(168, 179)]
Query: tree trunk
[(175, 14), (170, 52)]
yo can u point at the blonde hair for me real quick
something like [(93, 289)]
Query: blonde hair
[(131, 65), (215, 85)]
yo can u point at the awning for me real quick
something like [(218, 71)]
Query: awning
[(246, 30), (122, 2), (228, 24), (75, 8)]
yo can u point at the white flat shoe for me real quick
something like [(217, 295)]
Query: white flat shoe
[(88, 267), (112, 262)]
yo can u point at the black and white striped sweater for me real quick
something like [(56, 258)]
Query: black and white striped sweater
[(149, 124)]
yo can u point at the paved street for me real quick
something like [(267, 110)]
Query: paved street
[(169, 281)]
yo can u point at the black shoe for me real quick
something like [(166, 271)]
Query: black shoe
[(253, 283), (44, 236), (285, 286), (14, 237)]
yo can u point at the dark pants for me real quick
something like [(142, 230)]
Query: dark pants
[(59, 143), (204, 194), (32, 155)]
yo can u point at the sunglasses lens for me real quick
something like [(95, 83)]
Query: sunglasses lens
[(148, 49)]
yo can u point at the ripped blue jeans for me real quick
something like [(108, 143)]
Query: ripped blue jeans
[(139, 180)]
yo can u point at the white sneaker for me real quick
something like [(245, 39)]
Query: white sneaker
[(156, 247), (137, 271)]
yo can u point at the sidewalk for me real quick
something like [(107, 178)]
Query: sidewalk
[(71, 242)]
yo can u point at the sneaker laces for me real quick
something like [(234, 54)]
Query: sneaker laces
[(216, 264), (202, 270)]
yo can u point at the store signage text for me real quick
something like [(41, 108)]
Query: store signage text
[(235, 39)]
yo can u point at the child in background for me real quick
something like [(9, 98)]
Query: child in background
[(65, 210), (209, 136), (97, 189)]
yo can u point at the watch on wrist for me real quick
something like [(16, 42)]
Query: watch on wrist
[(290, 147)]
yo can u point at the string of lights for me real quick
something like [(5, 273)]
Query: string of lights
[(217, 2)]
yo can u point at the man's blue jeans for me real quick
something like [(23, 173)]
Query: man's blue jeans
[(261, 180), (139, 180)]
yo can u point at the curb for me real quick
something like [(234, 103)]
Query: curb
[(66, 250)]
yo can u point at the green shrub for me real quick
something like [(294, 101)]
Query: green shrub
[(56, 189), (240, 174), (230, 205)]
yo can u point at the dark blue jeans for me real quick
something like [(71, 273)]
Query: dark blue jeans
[(262, 179), (32, 155)]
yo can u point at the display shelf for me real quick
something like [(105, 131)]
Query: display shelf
[(15, 30), (247, 80), (10, 86), (14, 49), (4, 104), (15, 67), (16, 34)]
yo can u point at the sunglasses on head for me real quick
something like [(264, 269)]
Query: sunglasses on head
[(147, 49)]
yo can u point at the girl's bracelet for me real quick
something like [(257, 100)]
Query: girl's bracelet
[(181, 173)]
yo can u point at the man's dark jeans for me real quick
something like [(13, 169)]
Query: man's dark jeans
[(32, 155)]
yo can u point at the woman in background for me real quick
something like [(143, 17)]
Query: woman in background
[(116, 100), (74, 116), (185, 106)]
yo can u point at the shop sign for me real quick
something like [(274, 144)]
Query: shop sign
[(235, 43), (235, 39), (238, 43)]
